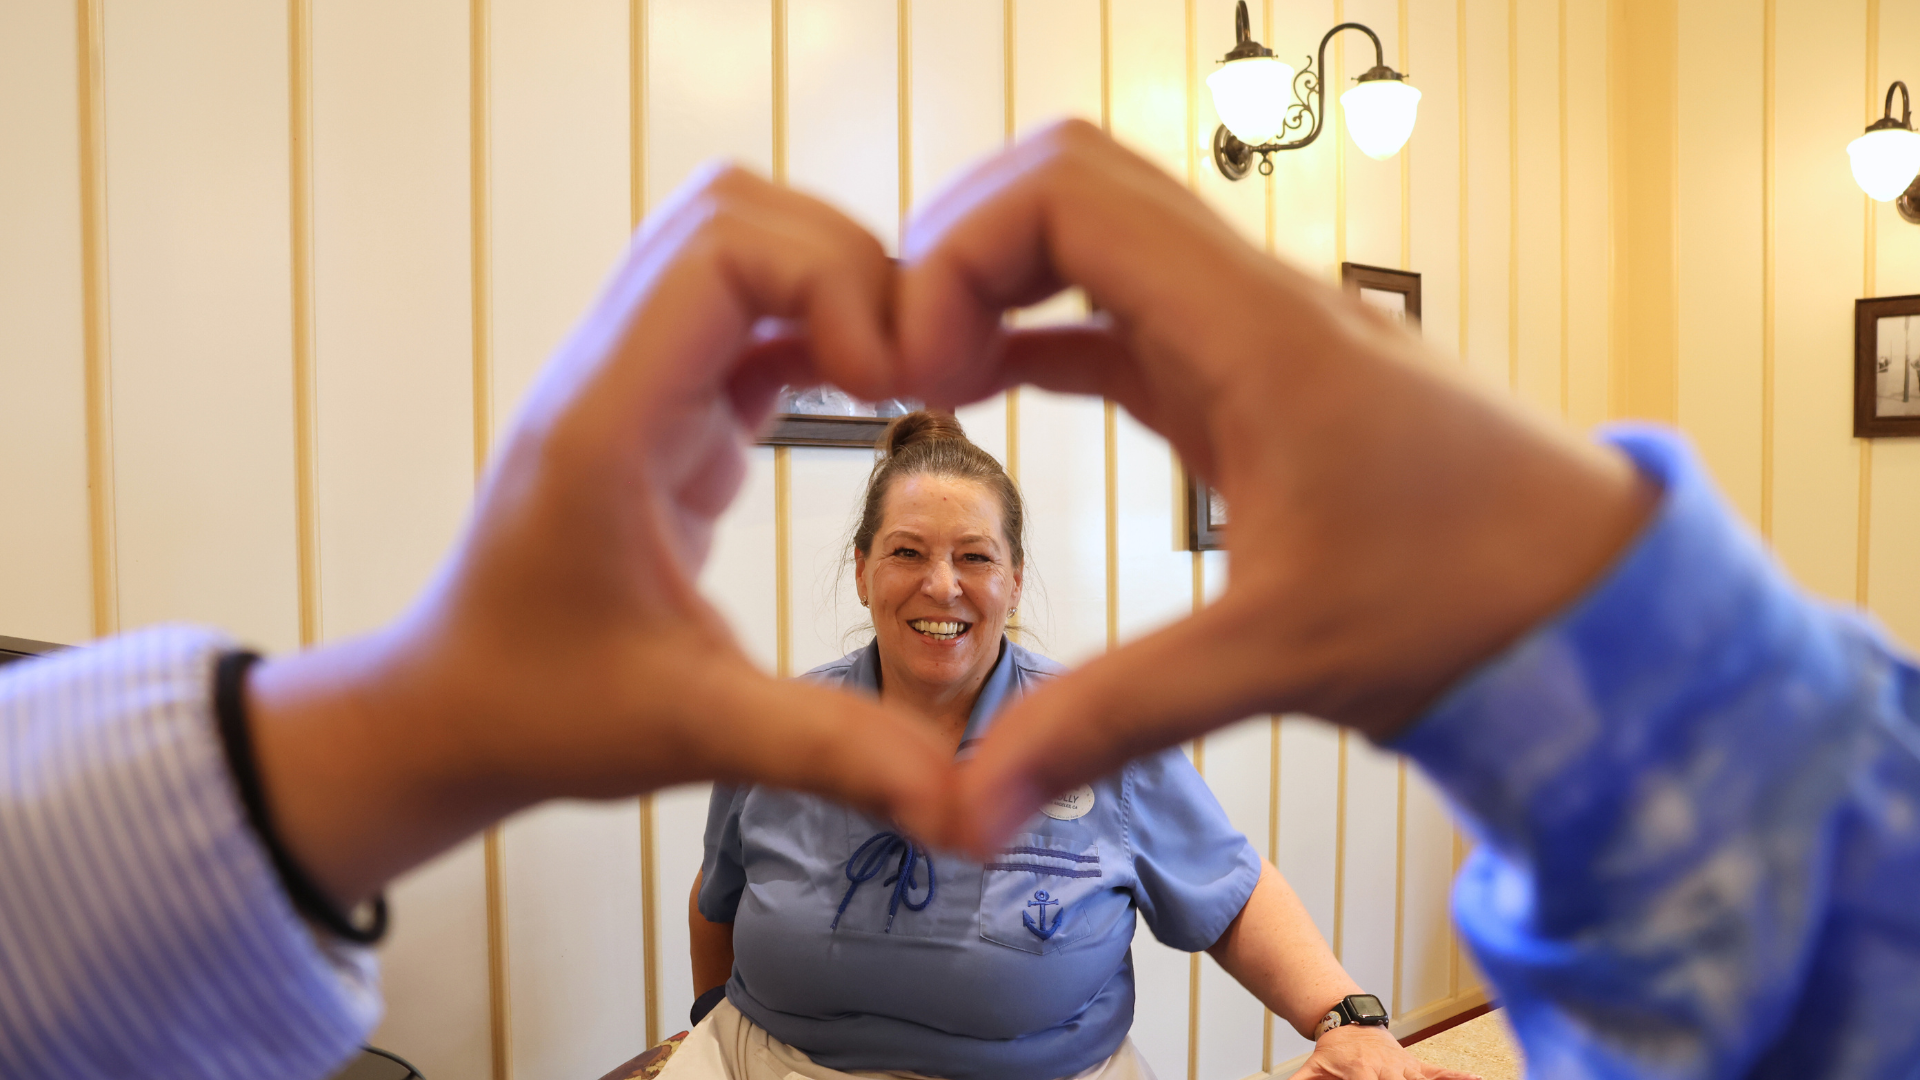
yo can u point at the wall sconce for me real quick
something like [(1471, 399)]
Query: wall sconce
[(1886, 160), (1250, 93)]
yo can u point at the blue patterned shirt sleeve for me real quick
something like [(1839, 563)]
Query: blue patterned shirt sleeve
[(143, 931), (1697, 796)]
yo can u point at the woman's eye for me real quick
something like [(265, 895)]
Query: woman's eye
[(905, 553), (976, 557)]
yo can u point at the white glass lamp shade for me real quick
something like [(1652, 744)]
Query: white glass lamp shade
[(1380, 115), (1251, 97), (1885, 161)]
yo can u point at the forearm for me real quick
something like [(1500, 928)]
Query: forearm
[(711, 944), (1273, 949)]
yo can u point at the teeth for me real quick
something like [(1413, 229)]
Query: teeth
[(938, 628)]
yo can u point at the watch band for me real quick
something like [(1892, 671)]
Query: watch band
[(1364, 1010)]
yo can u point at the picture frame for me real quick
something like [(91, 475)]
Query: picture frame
[(1396, 293), (1886, 367), (828, 416), (1206, 513)]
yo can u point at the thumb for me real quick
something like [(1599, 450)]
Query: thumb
[(827, 742), (1203, 672)]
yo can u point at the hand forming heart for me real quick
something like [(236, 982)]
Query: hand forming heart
[(1392, 527)]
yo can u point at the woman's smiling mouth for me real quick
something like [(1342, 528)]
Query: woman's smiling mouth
[(940, 629)]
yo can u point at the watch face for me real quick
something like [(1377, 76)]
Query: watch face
[(1366, 1007)]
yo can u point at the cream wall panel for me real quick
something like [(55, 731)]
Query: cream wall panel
[(1373, 187), (699, 108), (1063, 476), (985, 422), (738, 577), (197, 192), (680, 821), (1588, 229), (1239, 770), (393, 355), (392, 301), (1147, 62), (575, 978), (1489, 189), (1160, 977), (559, 175), (1426, 945), (433, 967), (1309, 825), (1818, 260), (1893, 580), (1537, 204), (1433, 164), (843, 133), (1156, 578), (46, 589), (828, 486), (1056, 62), (1306, 182), (1720, 241), (957, 82), (1370, 866)]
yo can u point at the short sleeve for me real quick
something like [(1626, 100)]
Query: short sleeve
[(723, 870), (1195, 870)]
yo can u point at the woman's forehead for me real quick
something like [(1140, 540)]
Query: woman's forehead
[(941, 504)]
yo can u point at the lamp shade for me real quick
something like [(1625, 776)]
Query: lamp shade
[(1885, 161), (1251, 97), (1380, 115)]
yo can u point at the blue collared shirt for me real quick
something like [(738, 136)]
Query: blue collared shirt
[(1017, 969), (1698, 799)]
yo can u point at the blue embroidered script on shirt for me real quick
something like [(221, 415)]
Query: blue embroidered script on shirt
[(902, 880), (1042, 929)]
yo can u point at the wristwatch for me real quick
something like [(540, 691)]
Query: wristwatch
[(1364, 1010)]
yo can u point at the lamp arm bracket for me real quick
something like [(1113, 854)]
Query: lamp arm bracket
[(1310, 84)]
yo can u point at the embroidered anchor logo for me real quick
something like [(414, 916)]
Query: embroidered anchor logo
[(1041, 900)]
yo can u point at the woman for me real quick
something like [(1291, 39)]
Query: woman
[(843, 946)]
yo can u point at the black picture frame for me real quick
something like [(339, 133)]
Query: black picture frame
[(1360, 279), (1206, 514), (14, 648), (803, 428), (1871, 419)]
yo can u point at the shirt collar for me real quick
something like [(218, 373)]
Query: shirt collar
[(995, 694)]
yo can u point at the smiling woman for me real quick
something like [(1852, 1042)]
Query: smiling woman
[(827, 940)]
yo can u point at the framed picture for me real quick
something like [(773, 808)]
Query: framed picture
[(1886, 367), (828, 416), (1395, 292), (1206, 514)]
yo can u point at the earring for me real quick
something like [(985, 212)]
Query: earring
[(863, 601)]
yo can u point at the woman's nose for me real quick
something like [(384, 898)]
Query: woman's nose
[(942, 583)]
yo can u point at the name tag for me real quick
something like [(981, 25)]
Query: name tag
[(1070, 806)]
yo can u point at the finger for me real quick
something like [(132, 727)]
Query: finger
[(1118, 707), (808, 738)]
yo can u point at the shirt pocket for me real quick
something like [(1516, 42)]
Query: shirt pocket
[(1037, 895)]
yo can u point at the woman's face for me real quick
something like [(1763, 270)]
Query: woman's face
[(939, 580)]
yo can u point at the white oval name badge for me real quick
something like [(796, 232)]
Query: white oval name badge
[(1071, 805)]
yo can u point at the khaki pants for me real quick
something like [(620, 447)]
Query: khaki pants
[(728, 1046)]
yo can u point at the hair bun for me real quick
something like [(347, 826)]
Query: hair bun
[(921, 426)]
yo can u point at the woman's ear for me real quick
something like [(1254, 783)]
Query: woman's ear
[(1019, 583), (860, 576)]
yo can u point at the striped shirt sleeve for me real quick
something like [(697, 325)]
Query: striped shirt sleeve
[(143, 931)]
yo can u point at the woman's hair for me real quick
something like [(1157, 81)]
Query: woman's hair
[(926, 443)]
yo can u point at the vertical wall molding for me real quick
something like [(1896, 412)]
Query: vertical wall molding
[(480, 256), (1340, 852), (1863, 531), (306, 450), (903, 108), (783, 561), (1009, 31), (1339, 147), (1513, 195), (1642, 89), (637, 212), (1566, 229), (1406, 153), (1769, 186), (96, 332), (1460, 79)]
